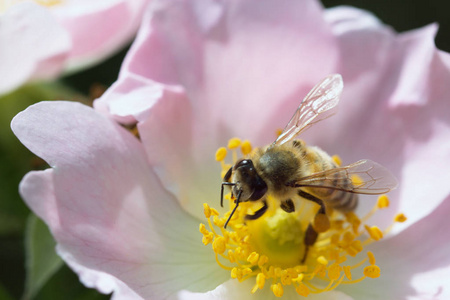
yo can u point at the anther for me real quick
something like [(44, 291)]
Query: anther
[(246, 147), (400, 218), (372, 260), (234, 143), (374, 232), (206, 210), (302, 290), (253, 258), (372, 271), (221, 153), (277, 289), (337, 160), (383, 201), (219, 245)]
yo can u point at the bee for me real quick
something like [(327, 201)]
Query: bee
[(288, 168)]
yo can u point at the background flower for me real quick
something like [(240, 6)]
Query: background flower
[(39, 39), (175, 101)]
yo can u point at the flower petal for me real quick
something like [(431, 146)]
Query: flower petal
[(232, 289), (50, 44), (414, 264), (98, 29), (106, 208), (208, 62), (178, 46)]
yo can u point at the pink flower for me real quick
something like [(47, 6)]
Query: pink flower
[(125, 212), (39, 39)]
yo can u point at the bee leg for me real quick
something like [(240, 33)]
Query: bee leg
[(221, 191), (323, 225), (309, 240), (287, 205), (314, 199), (258, 213), (234, 209)]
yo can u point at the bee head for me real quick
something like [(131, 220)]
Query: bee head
[(247, 180)]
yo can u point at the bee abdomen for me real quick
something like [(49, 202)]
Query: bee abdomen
[(342, 201)]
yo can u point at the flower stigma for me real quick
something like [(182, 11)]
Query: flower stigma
[(270, 250)]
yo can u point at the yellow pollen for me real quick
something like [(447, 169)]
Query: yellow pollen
[(219, 245), (278, 132), (372, 271), (322, 260), (253, 258), (277, 289), (221, 153), (260, 280), (321, 223), (356, 180), (272, 247), (234, 143), (302, 290), (383, 201), (400, 218), (246, 147), (348, 272), (334, 272), (337, 160), (372, 260), (374, 232), (206, 210)]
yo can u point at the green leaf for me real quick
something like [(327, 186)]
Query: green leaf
[(41, 258), (4, 295)]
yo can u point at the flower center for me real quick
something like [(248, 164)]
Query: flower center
[(6, 4), (272, 248)]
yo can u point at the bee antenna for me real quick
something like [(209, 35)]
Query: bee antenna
[(234, 209), (221, 191)]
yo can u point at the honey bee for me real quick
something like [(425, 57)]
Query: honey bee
[(288, 168)]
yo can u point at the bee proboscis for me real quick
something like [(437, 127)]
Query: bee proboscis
[(288, 168)]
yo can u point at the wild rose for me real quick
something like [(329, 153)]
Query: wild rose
[(126, 212), (39, 39)]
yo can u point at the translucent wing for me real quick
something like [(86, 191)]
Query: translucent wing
[(316, 106), (362, 177)]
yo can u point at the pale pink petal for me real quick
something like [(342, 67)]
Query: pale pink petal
[(220, 64), (243, 71), (19, 34), (98, 29), (233, 289), (398, 123), (414, 264), (106, 208)]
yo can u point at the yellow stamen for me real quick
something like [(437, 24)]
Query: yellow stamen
[(372, 260), (221, 153), (356, 180), (383, 201), (277, 289), (246, 147), (234, 143), (400, 218), (337, 160), (302, 290), (219, 245), (372, 271), (374, 232)]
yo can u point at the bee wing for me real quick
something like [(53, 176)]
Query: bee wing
[(362, 177), (316, 106)]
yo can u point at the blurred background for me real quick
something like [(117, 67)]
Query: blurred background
[(23, 237)]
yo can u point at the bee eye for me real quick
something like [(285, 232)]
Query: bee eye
[(243, 162)]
